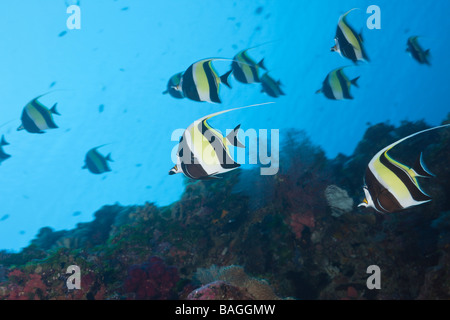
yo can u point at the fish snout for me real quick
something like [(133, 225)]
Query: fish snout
[(365, 203), (173, 171)]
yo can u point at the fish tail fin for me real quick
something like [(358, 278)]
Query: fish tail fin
[(420, 168), (427, 57), (224, 78), (3, 142), (53, 109), (261, 64), (108, 157), (355, 81), (232, 138)]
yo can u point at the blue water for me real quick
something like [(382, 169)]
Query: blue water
[(126, 51)]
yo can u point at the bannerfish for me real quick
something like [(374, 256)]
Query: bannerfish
[(416, 51), (270, 86), (200, 82), (348, 43), (391, 186), (3, 155), (245, 69), (336, 85), (96, 162), (173, 83), (203, 152), (36, 117)]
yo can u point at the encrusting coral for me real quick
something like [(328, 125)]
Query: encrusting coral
[(256, 289)]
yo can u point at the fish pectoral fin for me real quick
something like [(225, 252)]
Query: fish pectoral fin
[(232, 138), (20, 128)]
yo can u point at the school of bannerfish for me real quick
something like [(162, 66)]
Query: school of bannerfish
[(203, 153)]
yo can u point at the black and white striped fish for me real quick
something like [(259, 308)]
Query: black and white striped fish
[(3, 154), (336, 85), (95, 162), (36, 117), (347, 42), (416, 51), (270, 86), (245, 69), (200, 82), (391, 186), (203, 151), (173, 83)]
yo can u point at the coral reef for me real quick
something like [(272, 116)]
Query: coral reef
[(152, 280), (257, 289), (295, 234), (219, 290), (338, 200)]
